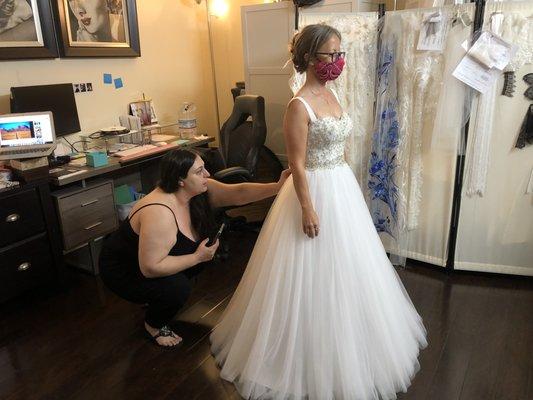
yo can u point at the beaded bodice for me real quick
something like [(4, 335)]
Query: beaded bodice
[(325, 141)]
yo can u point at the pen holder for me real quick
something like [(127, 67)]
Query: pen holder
[(96, 158)]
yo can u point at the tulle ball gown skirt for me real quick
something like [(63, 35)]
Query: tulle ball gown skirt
[(324, 318)]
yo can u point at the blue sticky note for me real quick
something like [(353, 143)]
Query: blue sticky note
[(118, 83), (108, 79)]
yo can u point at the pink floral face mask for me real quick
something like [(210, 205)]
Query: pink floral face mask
[(329, 71)]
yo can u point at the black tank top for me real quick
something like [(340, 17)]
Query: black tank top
[(120, 251)]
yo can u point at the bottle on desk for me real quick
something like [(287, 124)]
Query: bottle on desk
[(187, 120)]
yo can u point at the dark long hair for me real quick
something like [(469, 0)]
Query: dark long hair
[(175, 165), (307, 42)]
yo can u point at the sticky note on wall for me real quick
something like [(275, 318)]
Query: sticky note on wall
[(108, 79), (118, 83)]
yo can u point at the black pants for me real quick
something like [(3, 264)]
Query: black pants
[(164, 296)]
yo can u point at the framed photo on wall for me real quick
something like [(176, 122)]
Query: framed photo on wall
[(98, 28), (26, 30)]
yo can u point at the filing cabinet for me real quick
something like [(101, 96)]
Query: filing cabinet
[(29, 239)]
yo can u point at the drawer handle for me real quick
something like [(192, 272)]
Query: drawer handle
[(89, 203), (12, 218), (93, 226), (24, 266)]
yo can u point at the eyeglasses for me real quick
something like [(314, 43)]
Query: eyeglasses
[(333, 56)]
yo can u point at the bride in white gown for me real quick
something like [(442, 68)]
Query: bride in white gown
[(320, 314)]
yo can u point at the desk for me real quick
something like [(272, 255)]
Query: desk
[(114, 164), (84, 200)]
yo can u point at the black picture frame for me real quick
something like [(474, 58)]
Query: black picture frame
[(68, 47), (48, 49)]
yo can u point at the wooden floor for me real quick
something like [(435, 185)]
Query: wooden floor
[(85, 343)]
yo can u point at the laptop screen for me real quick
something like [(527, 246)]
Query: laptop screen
[(28, 129)]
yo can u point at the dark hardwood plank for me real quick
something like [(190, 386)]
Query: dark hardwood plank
[(84, 342)]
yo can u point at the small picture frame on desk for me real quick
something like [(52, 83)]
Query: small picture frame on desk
[(97, 28), (27, 30), (144, 109)]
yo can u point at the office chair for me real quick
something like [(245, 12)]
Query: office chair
[(241, 140), (238, 90)]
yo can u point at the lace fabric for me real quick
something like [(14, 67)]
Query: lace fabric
[(518, 30), (407, 103)]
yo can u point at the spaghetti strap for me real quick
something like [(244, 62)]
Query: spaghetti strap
[(335, 94), (310, 111), (156, 204)]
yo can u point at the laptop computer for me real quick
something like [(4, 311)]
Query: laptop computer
[(26, 135)]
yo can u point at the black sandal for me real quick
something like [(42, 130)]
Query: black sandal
[(164, 331)]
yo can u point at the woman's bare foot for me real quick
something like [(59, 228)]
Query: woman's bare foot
[(167, 341)]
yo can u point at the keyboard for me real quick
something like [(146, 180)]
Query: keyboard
[(37, 152), (136, 153), (135, 150)]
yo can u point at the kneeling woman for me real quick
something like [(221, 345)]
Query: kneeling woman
[(163, 243)]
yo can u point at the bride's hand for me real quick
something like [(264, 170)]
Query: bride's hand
[(310, 222)]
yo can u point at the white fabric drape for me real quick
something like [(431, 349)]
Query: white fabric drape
[(517, 29), (427, 93), (496, 230)]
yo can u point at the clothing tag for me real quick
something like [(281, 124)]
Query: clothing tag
[(433, 32), (484, 61), (496, 23)]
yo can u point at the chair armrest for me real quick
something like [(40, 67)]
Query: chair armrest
[(233, 175)]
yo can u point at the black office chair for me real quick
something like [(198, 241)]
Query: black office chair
[(238, 90), (241, 140)]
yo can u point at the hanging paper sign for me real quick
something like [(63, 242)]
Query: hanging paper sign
[(433, 32), (485, 61)]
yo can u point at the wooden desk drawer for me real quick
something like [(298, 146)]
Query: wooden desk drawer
[(77, 218), (20, 216), (86, 213), (84, 199), (25, 266), (90, 227)]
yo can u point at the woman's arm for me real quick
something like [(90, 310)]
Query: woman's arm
[(295, 130), (238, 194), (157, 235)]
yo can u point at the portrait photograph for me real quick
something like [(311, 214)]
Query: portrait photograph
[(98, 28), (143, 110), (26, 29)]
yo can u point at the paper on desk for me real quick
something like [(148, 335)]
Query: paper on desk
[(80, 162), (484, 62), (158, 137)]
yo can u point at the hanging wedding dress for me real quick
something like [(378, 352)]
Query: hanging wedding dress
[(323, 318)]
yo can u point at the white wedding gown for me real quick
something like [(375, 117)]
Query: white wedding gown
[(323, 318)]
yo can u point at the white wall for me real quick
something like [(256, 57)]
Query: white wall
[(174, 67)]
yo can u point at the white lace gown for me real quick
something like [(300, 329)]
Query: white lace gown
[(323, 318)]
